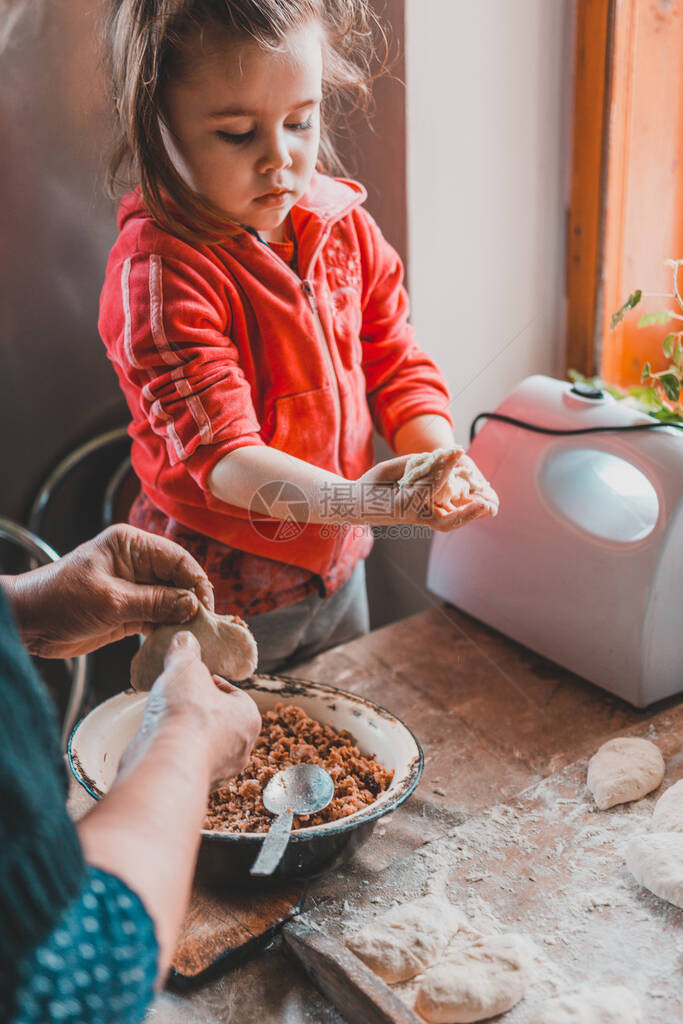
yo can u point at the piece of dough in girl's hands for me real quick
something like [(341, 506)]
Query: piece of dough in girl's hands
[(454, 478), (401, 943), (228, 648), (476, 983), (624, 769)]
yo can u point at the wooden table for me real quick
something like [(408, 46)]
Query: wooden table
[(493, 719)]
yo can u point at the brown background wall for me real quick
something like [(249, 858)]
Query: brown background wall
[(57, 386), (374, 150)]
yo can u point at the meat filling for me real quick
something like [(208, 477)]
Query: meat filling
[(288, 736)]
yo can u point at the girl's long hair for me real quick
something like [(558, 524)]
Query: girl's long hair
[(147, 43)]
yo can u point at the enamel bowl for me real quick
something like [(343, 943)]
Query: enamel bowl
[(99, 739)]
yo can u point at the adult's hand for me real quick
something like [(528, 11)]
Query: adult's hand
[(223, 719), (122, 582), (146, 829)]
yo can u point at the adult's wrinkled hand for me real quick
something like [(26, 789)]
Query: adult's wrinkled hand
[(123, 581), (225, 717)]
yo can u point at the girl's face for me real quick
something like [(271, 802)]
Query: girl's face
[(243, 126)]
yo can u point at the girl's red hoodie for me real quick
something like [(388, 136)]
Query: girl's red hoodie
[(223, 345)]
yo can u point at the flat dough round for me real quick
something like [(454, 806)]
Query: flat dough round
[(407, 939), (613, 1004), (656, 861), (668, 813), (228, 648), (624, 769), (476, 983)]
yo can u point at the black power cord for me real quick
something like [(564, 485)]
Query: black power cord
[(549, 430)]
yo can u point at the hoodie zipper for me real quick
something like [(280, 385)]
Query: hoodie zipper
[(309, 291)]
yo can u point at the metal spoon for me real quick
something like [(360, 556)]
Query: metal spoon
[(301, 789)]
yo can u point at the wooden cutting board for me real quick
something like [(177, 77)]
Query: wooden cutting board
[(344, 979), (222, 929)]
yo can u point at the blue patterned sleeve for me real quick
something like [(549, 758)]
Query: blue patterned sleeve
[(98, 964)]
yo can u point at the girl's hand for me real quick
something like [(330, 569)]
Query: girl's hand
[(388, 472), (446, 500), (224, 719), (478, 508), (416, 504), (122, 582)]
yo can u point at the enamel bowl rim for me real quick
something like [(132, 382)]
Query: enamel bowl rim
[(406, 787)]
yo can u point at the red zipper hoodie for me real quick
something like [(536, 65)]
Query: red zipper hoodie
[(223, 345)]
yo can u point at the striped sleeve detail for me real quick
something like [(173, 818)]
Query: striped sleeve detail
[(157, 411), (177, 353), (169, 356), (127, 325), (194, 404), (156, 312)]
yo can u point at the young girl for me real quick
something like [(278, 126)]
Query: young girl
[(256, 316)]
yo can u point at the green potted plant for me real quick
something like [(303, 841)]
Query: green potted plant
[(658, 394)]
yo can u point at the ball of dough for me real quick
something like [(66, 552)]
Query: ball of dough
[(401, 943), (656, 861), (612, 1004), (456, 479), (668, 813), (624, 769), (425, 466), (476, 983), (228, 648)]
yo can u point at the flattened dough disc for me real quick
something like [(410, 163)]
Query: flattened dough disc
[(228, 648)]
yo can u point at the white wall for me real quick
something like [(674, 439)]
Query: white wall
[(488, 159)]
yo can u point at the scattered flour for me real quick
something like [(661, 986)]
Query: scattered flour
[(551, 866), (609, 1005)]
